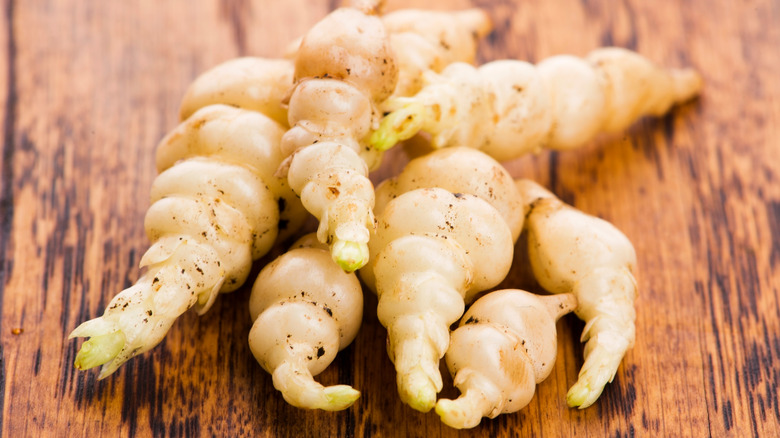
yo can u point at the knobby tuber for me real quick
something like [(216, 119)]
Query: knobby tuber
[(305, 308), (447, 244), (422, 40), (572, 252), (505, 345), (215, 207), (433, 250), (343, 68), (510, 108)]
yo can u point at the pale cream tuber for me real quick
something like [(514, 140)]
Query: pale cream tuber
[(215, 207), (459, 170), (344, 67), (252, 83), (510, 108), (572, 252), (348, 64), (505, 345), (424, 40), (305, 309), (432, 252)]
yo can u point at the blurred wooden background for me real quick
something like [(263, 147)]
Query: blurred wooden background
[(87, 88)]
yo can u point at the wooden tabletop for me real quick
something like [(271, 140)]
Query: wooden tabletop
[(88, 88)]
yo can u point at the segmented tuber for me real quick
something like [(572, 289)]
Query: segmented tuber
[(459, 170), (510, 108), (252, 83), (305, 309), (433, 250), (572, 252), (425, 40), (344, 67), (506, 343), (215, 207)]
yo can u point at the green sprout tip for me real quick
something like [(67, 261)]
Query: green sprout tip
[(99, 350), (397, 126), (350, 256)]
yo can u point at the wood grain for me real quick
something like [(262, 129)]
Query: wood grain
[(89, 87)]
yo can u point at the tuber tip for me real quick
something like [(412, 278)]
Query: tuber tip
[(688, 84), (424, 400), (581, 396), (350, 256), (603, 355), (397, 126), (456, 413), (418, 391), (99, 350), (298, 388), (340, 397)]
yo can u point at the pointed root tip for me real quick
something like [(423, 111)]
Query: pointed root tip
[(688, 84), (99, 350), (603, 355), (424, 400), (454, 415), (590, 385), (340, 397), (350, 256), (397, 126), (581, 396), (420, 396)]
